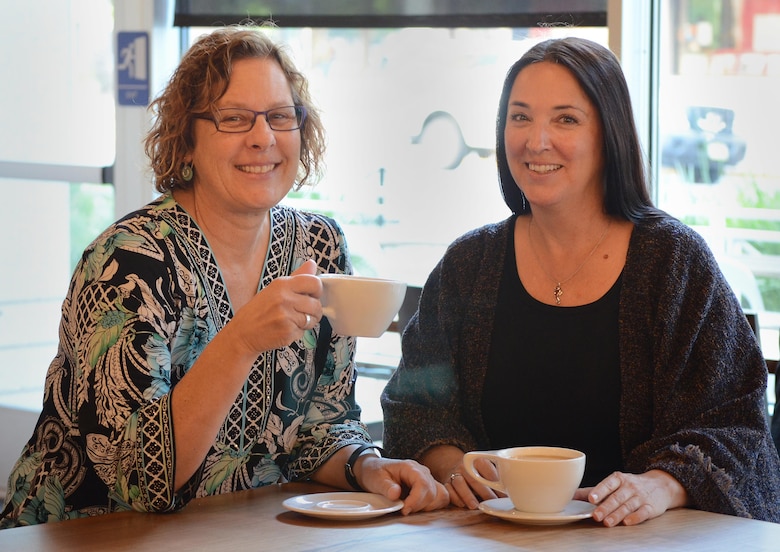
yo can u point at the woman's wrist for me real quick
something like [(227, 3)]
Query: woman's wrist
[(441, 460), (350, 467), (678, 496)]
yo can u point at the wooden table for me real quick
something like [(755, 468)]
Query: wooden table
[(256, 520)]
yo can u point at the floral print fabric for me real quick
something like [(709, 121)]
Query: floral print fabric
[(145, 300)]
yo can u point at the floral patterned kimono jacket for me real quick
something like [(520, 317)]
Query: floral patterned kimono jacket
[(144, 301)]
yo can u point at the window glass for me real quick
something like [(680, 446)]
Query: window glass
[(719, 79), (47, 225), (410, 117), (59, 108), (59, 111)]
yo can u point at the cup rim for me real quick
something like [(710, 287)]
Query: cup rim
[(357, 278), (566, 454)]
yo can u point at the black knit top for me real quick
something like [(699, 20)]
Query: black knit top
[(553, 375)]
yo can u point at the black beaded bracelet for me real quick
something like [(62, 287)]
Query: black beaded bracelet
[(349, 473)]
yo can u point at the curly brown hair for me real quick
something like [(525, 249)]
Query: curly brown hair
[(200, 80)]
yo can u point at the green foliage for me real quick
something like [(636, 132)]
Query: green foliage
[(770, 293), (767, 196), (760, 197), (710, 11), (757, 197), (91, 211)]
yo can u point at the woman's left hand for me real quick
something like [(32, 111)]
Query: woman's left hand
[(394, 478), (631, 499)]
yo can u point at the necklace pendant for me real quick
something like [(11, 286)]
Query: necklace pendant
[(558, 291)]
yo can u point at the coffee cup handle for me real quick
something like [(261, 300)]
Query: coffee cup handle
[(468, 463)]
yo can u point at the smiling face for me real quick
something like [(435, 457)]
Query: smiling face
[(250, 171), (553, 138)]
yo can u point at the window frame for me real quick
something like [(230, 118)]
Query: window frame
[(358, 14)]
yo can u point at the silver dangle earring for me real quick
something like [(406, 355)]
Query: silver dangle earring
[(186, 172)]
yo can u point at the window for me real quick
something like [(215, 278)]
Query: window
[(61, 111), (58, 133), (410, 117), (719, 76)]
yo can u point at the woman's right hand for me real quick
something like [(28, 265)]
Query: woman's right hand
[(446, 464), (631, 499), (277, 315)]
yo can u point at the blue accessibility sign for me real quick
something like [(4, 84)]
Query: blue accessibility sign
[(133, 68)]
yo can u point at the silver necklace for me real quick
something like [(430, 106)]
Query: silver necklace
[(558, 290)]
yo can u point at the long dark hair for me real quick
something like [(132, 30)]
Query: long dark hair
[(598, 73)]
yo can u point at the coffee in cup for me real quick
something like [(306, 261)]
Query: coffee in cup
[(537, 479), (359, 305)]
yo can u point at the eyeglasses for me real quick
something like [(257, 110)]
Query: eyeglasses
[(235, 119)]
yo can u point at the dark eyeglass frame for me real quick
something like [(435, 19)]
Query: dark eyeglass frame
[(300, 115)]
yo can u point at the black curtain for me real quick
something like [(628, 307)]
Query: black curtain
[(393, 13)]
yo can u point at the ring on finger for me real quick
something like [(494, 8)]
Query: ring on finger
[(308, 320), (454, 475)]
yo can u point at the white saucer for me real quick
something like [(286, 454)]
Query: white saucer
[(502, 507), (342, 505)]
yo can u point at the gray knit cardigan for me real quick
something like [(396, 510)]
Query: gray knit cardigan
[(693, 379)]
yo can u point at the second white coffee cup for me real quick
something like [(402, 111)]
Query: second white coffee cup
[(537, 479)]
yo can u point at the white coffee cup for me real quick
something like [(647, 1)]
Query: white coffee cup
[(358, 305), (537, 479)]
